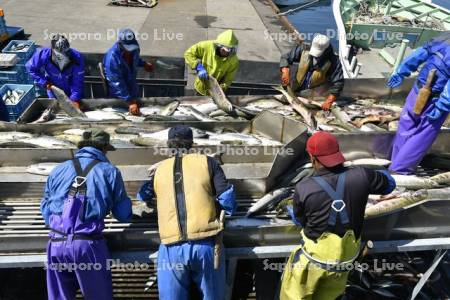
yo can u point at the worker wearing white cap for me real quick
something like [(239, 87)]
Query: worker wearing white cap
[(303, 69)]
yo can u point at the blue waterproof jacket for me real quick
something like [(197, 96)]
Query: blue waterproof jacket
[(436, 55), (105, 188), (70, 79), (120, 76)]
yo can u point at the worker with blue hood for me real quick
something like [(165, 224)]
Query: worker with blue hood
[(121, 64), (192, 197), (424, 112), (216, 58), (60, 66)]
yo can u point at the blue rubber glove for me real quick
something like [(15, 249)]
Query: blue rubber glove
[(395, 80), (442, 105), (201, 71), (408, 65), (435, 114), (391, 182), (290, 211), (228, 200)]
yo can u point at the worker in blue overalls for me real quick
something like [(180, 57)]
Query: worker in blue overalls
[(78, 196), (190, 191)]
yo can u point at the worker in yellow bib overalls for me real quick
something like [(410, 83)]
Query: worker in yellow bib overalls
[(303, 69), (330, 207)]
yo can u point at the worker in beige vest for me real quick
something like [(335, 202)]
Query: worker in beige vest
[(192, 196), (303, 69)]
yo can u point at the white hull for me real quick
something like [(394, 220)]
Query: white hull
[(290, 2)]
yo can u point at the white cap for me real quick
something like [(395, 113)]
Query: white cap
[(319, 44)]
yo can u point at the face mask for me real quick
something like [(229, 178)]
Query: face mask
[(61, 59)]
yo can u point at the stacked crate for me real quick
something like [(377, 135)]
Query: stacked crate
[(17, 77)]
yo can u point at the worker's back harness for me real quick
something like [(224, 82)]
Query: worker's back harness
[(73, 214), (337, 210)]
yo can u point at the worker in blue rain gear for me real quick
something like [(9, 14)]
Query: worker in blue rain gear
[(60, 66), (121, 64), (79, 194), (190, 190), (417, 132)]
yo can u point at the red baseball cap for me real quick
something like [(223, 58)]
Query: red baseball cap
[(325, 147)]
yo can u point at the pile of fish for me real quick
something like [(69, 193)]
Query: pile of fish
[(20, 47), (130, 137), (375, 15), (12, 97), (365, 115)]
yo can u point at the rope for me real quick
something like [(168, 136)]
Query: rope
[(297, 8)]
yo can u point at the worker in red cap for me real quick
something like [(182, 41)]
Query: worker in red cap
[(329, 206)]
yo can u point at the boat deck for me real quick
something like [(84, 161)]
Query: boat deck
[(374, 66)]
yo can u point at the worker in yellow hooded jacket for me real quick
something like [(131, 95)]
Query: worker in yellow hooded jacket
[(214, 58)]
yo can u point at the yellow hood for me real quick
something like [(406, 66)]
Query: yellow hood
[(227, 38)]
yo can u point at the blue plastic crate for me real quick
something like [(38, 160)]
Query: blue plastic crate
[(16, 74), (23, 56), (27, 98)]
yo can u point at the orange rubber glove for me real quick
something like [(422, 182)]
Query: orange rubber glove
[(149, 67), (77, 104), (330, 100), (285, 77), (133, 108)]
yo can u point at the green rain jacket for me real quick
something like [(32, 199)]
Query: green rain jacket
[(222, 68)]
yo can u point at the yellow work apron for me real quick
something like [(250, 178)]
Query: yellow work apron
[(319, 269)]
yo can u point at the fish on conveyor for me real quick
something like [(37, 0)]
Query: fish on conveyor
[(234, 138), (206, 108), (239, 112), (390, 205), (264, 104), (170, 108), (369, 127), (255, 222), (310, 104), (65, 103), (49, 142), (71, 138), (376, 162), (74, 131), (195, 113), (218, 95), (117, 110), (42, 168), (229, 119), (413, 182), (14, 135), (47, 115), (443, 178), (166, 65), (368, 162), (438, 194), (270, 199), (342, 118), (147, 141), (300, 108), (99, 115)]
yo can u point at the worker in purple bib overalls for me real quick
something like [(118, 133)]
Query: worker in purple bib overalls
[(417, 132), (79, 194)]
